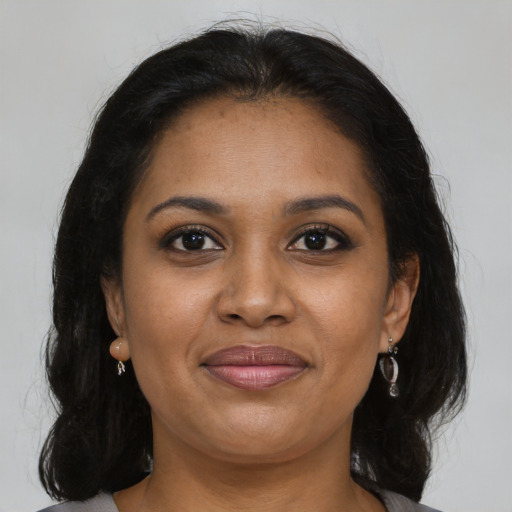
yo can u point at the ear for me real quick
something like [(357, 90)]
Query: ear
[(399, 303), (112, 291)]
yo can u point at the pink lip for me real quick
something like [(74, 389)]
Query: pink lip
[(254, 368)]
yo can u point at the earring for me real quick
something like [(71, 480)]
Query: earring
[(120, 351), (389, 369), (121, 368)]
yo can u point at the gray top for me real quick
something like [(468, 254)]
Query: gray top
[(105, 503)]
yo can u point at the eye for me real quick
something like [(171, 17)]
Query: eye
[(321, 239), (191, 239)]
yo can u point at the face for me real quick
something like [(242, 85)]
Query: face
[(254, 294)]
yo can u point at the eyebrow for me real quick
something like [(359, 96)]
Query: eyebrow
[(200, 204), (307, 204)]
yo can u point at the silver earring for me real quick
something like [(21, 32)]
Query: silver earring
[(389, 369), (121, 368), (119, 351)]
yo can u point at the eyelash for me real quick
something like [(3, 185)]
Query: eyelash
[(175, 235), (343, 241)]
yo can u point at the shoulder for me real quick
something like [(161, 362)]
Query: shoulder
[(398, 503), (100, 503), (105, 503)]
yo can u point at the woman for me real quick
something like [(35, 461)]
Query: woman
[(255, 293)]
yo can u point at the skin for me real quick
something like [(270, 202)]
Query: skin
[(255, 282)]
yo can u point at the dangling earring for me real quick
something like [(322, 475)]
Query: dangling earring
[(119, 350), (121, 368), (389, 369)]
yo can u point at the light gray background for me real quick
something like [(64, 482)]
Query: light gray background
[(449, 62)]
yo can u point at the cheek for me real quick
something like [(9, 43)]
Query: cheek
[(349, 304), (347, 315), (165, 313), (165, 318)]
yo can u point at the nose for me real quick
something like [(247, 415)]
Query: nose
[(256, 291)]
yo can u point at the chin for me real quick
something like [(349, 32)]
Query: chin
[(270, 438)]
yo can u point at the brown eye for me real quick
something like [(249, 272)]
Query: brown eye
[(192, 241), (321, 239), (316, 241), (189, 240)]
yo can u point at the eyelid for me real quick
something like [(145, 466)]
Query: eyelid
[(343, 240), (175, 233)]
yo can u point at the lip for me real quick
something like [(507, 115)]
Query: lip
[(254, 368)]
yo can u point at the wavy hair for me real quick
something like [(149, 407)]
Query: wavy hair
[(102, 438)]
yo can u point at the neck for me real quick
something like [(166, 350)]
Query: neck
[(184, 479)]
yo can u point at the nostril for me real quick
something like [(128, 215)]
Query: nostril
[(254, 310)]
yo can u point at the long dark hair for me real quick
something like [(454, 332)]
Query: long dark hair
[(102, 439)]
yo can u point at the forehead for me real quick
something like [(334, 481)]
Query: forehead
[(261, 151)]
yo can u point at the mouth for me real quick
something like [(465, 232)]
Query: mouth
[(254, 368)]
